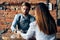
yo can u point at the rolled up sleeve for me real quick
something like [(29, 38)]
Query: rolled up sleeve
[(13, 26), (29, 33)]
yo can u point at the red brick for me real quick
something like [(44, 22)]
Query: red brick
[(9, 15), (9, 20), (32, 12), (3, 26), (2, 17)]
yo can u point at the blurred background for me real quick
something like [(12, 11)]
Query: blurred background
[(9, 8)]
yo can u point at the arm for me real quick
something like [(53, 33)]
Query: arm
[(29, 33), (13, 26)]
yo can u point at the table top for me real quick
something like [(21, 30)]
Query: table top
[(7, 36)]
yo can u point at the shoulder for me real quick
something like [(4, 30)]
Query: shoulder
[(18, 15), (33, 23), (31, 16)]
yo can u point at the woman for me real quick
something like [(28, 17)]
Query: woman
[(40, 28)]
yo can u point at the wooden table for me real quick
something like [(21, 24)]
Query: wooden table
[(7, 36), (58, 35)]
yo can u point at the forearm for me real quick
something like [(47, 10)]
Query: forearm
[(13, 29), (27, 35), (23, 35), (14, 23)]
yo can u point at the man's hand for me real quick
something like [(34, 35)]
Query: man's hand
[(15, 31), (18, 34)]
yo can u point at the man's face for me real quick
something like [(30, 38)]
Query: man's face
[(25, 10)]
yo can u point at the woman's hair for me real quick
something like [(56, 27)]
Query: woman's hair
[(43, 18)]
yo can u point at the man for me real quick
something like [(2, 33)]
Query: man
[(23, 19)]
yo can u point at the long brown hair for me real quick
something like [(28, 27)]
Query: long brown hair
[(43, 18)]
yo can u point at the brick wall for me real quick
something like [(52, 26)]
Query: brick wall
[(6, 16)]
